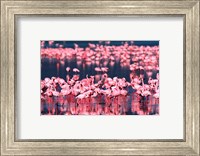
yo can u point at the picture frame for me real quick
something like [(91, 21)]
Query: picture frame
[(10, 10)]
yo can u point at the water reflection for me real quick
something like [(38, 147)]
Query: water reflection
[(131, 104)]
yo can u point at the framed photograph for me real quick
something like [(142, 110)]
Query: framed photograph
[(100, 77)]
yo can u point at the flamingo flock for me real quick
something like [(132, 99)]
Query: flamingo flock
[(102, 93)]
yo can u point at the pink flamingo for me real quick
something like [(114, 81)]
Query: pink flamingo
[(76, 70), (68, 69)]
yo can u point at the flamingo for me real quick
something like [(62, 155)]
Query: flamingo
[(145, 93), (81, 96), (97, 69), (68, 69), (76, 70), (104, 69), (123, 92), (65, 92)]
